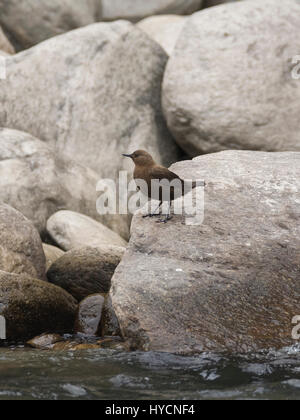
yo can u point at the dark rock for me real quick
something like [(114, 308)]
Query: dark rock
[(32, 307), (85, 271), (89, 315)]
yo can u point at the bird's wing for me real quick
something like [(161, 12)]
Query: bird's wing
[(159, 172)]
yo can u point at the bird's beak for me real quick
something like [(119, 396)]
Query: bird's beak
[(129, 156)]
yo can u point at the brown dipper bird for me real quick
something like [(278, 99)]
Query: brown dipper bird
[(146, 169)]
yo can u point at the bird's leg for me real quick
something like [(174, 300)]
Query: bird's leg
[(167, 216), (154, 213)]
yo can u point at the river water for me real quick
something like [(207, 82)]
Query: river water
[(110, 374)]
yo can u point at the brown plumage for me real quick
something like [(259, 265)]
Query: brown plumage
[(147, 169)]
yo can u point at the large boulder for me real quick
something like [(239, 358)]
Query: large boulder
[(165, 29), (37, 182), (5, 45), (230, 284), (21, 250), (32, 307), (29, 22), (84, 271), (72, 230), (231, 87), (135, 10), (93, 93)]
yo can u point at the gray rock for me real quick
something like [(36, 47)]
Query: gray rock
[(230, 284), (135, 10), (29, 21), (5, 45), (93, 93), (72, 230), (232, 87), (52, 253), (21, 250), (165, 30), (32, 307), (89, 315), (34, 180), (84, 271)]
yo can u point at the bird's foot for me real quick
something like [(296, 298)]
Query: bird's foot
[(151, 215), (165, 220)]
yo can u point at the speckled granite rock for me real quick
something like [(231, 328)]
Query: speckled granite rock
[(229, 82)]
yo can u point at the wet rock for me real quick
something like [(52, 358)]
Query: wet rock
[(165, 30), (228, 284), (73, 345), (89, 315), (84, 271), (231, 87), (21, 250), (45, 341), (31, 307), (72, 230), (52, 253), (30, 22), (5, 45), (115, 343), (127, 9), (109, 321), (38, 183)]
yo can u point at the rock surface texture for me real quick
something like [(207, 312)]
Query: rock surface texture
[(230, 85), (52, 253), (135, 10), (32, 307), (165, 30), (34, 180), (21, 250), (72, 230), (89, 315), (97, 94), (5, 45), (83, 272), (230, 284), (29, 22)]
